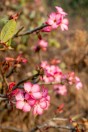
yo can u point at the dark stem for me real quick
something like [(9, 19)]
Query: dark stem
[(10, 72), (31, 78), (31, 31)]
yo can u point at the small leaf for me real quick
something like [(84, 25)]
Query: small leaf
[(8, 43), (8, 31)]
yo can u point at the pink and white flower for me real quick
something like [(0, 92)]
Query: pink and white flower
[(56, 19), (60, 11), (33, 90), (60, 89), (64, 24), (78, 83), (22, 102), (43, 44), (53, 20), (51, 73), (42, 104)]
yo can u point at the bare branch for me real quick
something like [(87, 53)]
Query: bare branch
[(11, 128), (3, 97), (51, 124), (31, 78), (31, 31), (21, 28), (10, 72)]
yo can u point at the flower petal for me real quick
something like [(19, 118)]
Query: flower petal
[(26, 107), (31, 102), (43, 104), (27, 86), (19, 96), (19, 104), (37, 95), (35, 110), (27, 96), (35, 88), (39, 110)]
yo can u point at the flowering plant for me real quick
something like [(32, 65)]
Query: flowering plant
[(32, 93)]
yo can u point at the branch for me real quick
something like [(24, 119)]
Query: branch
[(11, 128), (10, 72), (3, 97), (21, 28), (52, 124), (31, 31), (32, 78)]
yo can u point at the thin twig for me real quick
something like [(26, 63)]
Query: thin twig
[(10, 72), (3, 77), (3, 96), (21, 28), (32, 31), (24, 80), (51, 124), (11, 128), (29, 78)]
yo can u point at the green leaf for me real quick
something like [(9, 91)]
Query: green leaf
[(8, 30), (9, 43)]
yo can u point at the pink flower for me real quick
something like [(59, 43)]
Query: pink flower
[(52, 70), (58, 77), (42, 104), (53, 20), (26, 102), (56, 19), (60, 89), (31, 101), (43, 44), (71, 77), (44, 64), (60, 11), (33, 90), (74, 80), (51, 73), (22, 102), (78, 83), (64, 24), (48, 79)]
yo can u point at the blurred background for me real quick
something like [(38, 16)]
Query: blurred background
[(71, 47)]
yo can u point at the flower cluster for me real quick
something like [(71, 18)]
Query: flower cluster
[(32, 97), (56, 19), (52, 73)]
